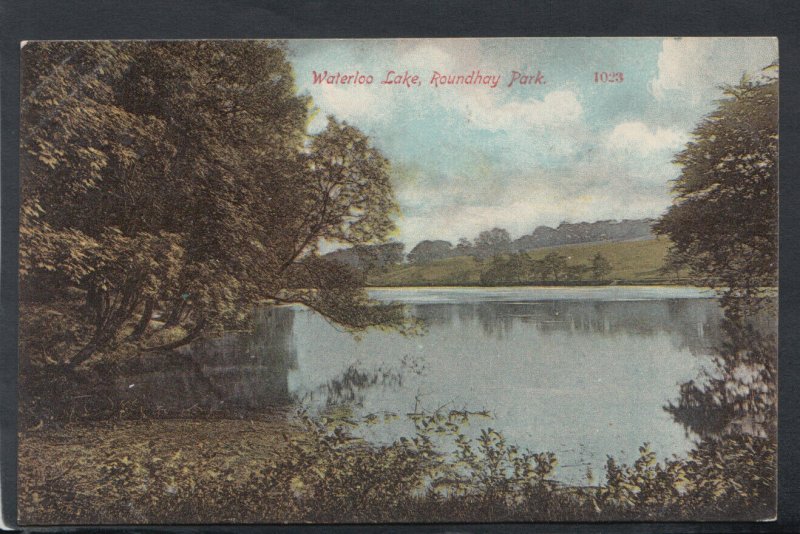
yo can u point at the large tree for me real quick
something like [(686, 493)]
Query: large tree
[(723, 222), (178, 179), (724, 228), (492, 242), (428, 251)]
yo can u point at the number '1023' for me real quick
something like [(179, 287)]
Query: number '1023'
[(609, 77)]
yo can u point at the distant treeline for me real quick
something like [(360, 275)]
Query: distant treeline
[(370, 258), (521, 268), (496, 242)]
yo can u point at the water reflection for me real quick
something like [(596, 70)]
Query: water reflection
[(232, 374), (581, 378), (738, 394), (350, 387), (694, 322)]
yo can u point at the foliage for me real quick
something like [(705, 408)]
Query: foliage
[(428, 251), (632, 262), (601, 267), (725, 479), (487, 244), (723, 223), (497, 241), (176, 181), (370, 259), (521, 268), (552, 266), (318, 470), (738, 395), (515, 269), (491, 243)]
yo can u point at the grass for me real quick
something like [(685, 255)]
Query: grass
[(631, 261), (141, 471)]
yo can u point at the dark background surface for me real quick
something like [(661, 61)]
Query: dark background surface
[(193, 19)]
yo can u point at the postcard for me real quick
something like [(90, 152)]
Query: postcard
[(398, 280)]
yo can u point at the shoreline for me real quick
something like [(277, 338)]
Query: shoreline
[(535, 286)]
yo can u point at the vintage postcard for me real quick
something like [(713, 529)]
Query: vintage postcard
[(398, 280)]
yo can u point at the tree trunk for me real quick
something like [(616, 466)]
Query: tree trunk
[(111, 315), (85, 353), (188, 338), (174, 317), (141, 327)]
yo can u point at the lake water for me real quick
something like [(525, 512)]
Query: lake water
[(582, 372)]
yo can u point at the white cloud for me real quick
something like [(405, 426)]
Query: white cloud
[(547, 206), (355, 104), (640, 138), (596, 189), (696, 66), (485, 109), (535, 156), (426, 55)]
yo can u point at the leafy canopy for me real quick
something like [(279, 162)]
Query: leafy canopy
[(724, 219), (177, 179)]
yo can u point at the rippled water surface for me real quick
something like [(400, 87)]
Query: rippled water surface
[(582, 372)]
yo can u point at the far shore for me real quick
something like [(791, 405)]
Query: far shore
[(567, 285), (699, 291)]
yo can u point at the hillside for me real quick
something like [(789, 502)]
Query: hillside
[(631, 262), (584, 232)]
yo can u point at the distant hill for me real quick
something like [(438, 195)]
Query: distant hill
[(584, 232), (632, 261), (490, 243)]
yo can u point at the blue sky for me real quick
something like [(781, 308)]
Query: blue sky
[(468, 158)]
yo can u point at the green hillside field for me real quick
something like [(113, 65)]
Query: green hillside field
[(631, 262)]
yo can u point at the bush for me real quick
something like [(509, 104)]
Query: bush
[(318, 470)]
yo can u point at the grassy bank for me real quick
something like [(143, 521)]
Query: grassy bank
[(143, 471), (631, 262), (295, 469)]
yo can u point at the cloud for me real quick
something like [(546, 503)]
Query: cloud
[(427, 55), (467, 158), (485, 109), (603, 186), (538, 204), (640, 138), (696, 66), (355, 104)]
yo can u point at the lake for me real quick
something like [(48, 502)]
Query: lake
[(583, 372)]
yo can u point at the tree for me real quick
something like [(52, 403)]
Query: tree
[(428, 251), (492, 242), (518, 267), (601, 267), (576, 272), (723, 222), (369, 258), (554, 266), (385, 254), (723, 225), (464, 247), (673, 264), (178, 177), (514, 270)]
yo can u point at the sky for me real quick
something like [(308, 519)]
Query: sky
[(466, 158)]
